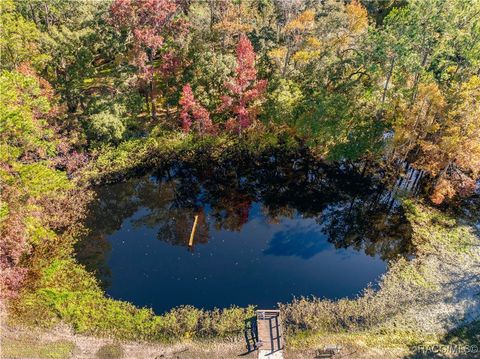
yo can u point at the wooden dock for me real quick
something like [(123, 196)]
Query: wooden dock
[(270, 335)]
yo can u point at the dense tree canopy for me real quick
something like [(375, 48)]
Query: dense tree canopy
[(356, 80)]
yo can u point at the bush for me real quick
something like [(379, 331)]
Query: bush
[(106, 127), (110, 351)]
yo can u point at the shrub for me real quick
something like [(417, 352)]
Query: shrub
[(110, 351), (39, 179), (106, 127)]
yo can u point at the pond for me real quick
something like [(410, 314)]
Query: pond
[(268, 229)]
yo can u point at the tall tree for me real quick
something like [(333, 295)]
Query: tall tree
[(149, 24), (452, 153), (244, 91), (20, 39), (235, 18)]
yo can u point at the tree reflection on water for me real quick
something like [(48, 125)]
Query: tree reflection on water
[(347, 208)]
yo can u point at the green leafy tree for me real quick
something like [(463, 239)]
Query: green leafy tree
[(24, 106), (284, 103), (20, 39), (209, 72)]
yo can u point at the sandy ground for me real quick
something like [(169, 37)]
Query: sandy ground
[(87, 347)]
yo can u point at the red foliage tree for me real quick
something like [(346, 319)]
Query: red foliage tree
[(170, 71), (194, 113), (149, 23), (244, 91)]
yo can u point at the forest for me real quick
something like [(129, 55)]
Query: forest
[(286, 103)]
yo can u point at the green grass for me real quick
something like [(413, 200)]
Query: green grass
[(113, 163), (366, 339), (27, 348)]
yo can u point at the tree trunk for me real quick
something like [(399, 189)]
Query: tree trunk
[(152, 87), (152, 98), (212, 16), (147, 101), (417, 76), (34, 16), (287, 60), (387, 81), (47, 15)]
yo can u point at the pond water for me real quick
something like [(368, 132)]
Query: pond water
[(268, 230)]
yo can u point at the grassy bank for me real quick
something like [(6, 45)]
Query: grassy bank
[(138, 155)]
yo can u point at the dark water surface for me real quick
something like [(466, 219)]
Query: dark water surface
[(268, 230)]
